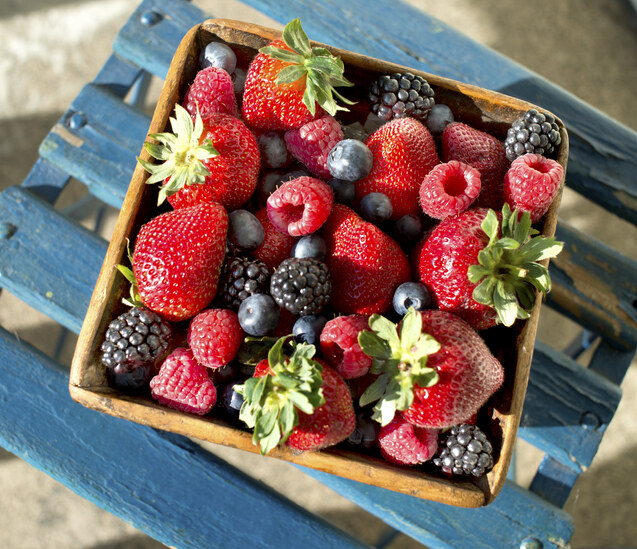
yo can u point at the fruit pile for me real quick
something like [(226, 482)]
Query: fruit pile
[(321, 282)]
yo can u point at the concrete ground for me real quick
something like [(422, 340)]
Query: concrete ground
[(50, 48)]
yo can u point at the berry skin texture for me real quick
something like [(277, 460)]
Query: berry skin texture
[(274, 152), (212, 92), (350, 159), (366, 264), (241, 277), (300, 206), (276, 245), (533, 133), (411, 294), (311, 143), (307, 329), (301, 285), (404, 153), (375, 208), (532, 183), (214, 336), (340, 348), (464, 450), (258, 315), (402, 443), (311, 245), (182, 383), (449, 189), (177, 259), (217, 54), (483, 152), (439, 118), (245, 231)]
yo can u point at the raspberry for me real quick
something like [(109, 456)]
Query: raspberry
[(312, 142), (215, 336), (182, 383), (405, 444), (532, 183), (449, 189), (340, 348), (300, 206), (276, 245), (213, 91)]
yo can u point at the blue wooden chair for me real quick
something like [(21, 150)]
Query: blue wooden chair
[(168, 486)]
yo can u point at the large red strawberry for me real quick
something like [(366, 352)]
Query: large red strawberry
[(216, 160), (297, 400), (290, 83), (482, 151), (433, 367), (366, 264), (177, 259), (484, 267), (404, 152)]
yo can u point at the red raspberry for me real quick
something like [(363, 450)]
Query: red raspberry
[(276, 245), (340, 348), (532, 183), (312, 142), (215, 336), (449, 189), (182, 383), (405, 444), (300, 206), (213, 91)]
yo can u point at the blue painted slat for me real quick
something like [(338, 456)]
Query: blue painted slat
[(117, 75), (611, 362), (97, 142), (553, 481), (567, 408), (46, 180), (165, 485), (49, 262)]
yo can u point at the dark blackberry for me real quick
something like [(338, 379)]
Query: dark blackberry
[(464, 450), (401, 94), (132, 344), (242, 277), (535, 132), (301, 285)]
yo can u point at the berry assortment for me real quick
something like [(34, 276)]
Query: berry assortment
[(334, 282)]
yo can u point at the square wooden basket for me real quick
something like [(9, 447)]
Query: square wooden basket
[(480, 108)]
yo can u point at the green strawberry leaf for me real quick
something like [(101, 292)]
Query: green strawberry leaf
[(373, 345), (291, 74), (410, 330), (294, 36), (386, 330), (375, 390)]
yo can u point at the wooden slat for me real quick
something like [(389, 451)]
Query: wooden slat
[(118, 75), (49, 262), (46, 180), (553, 481), (97, 142), (165, 485)]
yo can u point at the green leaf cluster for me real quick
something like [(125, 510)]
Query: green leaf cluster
[(509, 272), (271, 403), (399, 357), (134, 299), (323, 70)]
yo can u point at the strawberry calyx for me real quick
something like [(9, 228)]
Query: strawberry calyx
[(182, 154), (323, 70), (272, 402), (509, 271), (399, 357)]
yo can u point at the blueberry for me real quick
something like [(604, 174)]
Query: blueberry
[(408, 229), (307, 329), (365, 434), (131, 376), (258, 315), (311, 245), (239, 80), (225, 374), (375, 207), (231, 400), (411, 294), (267, 184), (216, 54), (439, 118), (350, 159), (245, 231), (344, 191), (274, 152)]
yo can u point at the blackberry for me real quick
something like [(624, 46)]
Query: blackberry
[(301, 285), (464, 450), (401, 94), (240, 278), (535, 132), (132, 344)]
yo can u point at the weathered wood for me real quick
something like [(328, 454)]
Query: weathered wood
[(117, 75), (553, 481), (46, 180), (163, 484)]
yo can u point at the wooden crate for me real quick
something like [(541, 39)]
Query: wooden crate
[(480, 108)]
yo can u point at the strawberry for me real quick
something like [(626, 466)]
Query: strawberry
[(448, 189), (402, 443), (296, 400), (214, 336), (484, 266), (366, 264), (182, 383), (482, 151), (433, 367), (404, 152), (177, 259), (340, 348), (311, 143), (532, 183), (212, 92), (289, 82), (216, 160), (276, 245)]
